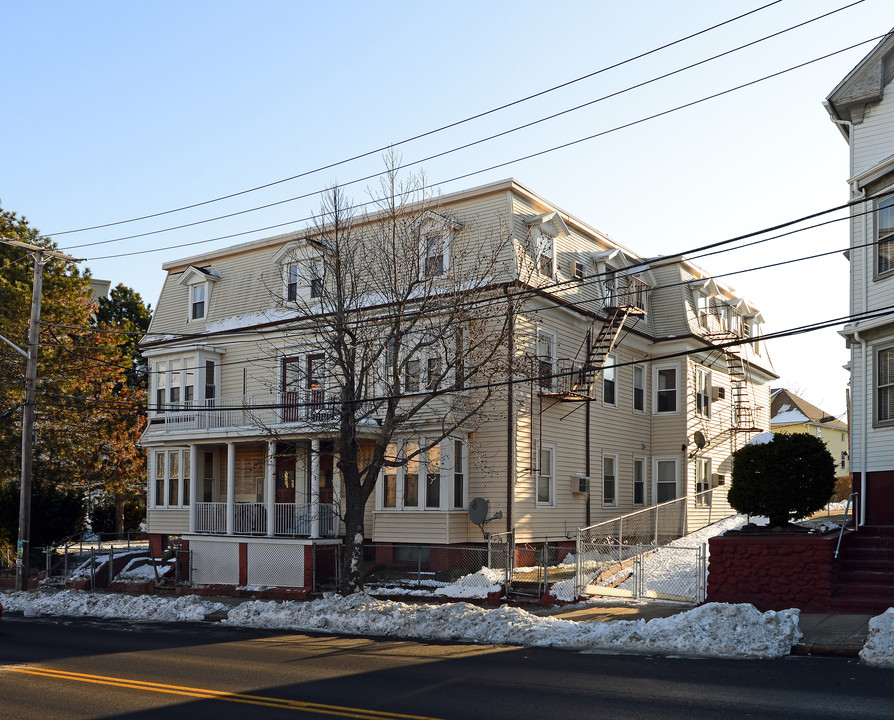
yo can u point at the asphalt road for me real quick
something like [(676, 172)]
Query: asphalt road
[(60, 669)]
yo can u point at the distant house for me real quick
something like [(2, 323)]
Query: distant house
[(633, 382), (862, 107), (792, 414)]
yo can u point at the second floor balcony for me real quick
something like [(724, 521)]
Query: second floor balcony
[(304, 406)]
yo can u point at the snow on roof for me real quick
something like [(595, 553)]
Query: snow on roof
[(761, 439), (789, 417)]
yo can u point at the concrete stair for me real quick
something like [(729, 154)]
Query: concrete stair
[(865, 580)]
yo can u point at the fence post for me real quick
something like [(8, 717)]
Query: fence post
[(111, 564), (655, 539), (578, 579), (93, 568), (419, 566)]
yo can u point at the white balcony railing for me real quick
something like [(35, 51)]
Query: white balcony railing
[(307, 405), (290, 519)]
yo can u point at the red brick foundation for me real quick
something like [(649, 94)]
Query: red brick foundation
[(773, 571)]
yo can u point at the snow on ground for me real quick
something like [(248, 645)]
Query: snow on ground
[(879, 646), (132, 607), (715, 630)]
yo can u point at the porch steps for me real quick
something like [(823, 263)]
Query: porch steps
[(865, 582)]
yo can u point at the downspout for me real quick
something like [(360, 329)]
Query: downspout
[(867, 410), (510, 421), (587, 460)]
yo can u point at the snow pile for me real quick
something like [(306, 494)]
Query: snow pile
[(715, 630), (476, 585), (140, 607), (879, 646), (142, 570)]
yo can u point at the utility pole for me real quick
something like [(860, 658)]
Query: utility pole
[(23, 554)]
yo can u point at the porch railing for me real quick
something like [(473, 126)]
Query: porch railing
[(250, 518), (266, 409)]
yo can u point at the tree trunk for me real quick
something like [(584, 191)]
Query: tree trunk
[(119, 513)]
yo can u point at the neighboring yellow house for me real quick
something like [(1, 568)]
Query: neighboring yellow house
[(792, 414)]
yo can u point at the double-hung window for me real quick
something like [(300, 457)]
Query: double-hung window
[(609, 480), (885, 237), (435, 248), (433, 478), (702, 392), (459, 475), (546, 358), (609, 381), (639, 481), (197, 302), (702, 482), (885, 386), (639, 388), (545, 473), (546, 262), (665, 382), (702, 308), (665, 476)]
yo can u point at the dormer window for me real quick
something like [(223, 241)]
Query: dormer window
[(198, 282), (545, 256), (544, 231), (197, 303), (435, 254)]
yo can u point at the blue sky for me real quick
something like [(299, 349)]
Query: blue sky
[(118, 110)]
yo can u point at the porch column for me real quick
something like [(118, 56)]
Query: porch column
[(315, 488), (336, 495), (270, 489), (231, 487), (193, 485)]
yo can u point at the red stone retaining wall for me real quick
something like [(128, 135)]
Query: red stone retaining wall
[(773, 571)]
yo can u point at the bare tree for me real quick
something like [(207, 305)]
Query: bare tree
[(409, 310)]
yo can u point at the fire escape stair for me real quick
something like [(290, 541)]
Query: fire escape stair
[(576, 383)]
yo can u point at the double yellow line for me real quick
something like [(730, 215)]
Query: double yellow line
[(205, 694)]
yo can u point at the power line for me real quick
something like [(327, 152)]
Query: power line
[(443, 127), (357, 206), (708, 347)]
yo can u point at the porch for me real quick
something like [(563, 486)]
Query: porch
[(253, 518)]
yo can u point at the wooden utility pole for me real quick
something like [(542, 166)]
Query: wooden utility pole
[(23, 549)]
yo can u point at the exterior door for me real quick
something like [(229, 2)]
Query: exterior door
[(285, 479)]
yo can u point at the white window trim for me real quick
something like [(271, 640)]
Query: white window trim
[(644, 461), (700, 373), (450, 469), (881, 274), (445, 472), (655, 371), (614, 458), (702, 461), (192, 278), (184, 467), (643, 375), (611, 362), (536, 474), (665, 458), (554, 342), (876, 364)]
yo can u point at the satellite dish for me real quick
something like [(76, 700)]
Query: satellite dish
[(478, 510), (698, 438)]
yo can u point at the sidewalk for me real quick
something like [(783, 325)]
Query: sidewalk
[(829, 634)]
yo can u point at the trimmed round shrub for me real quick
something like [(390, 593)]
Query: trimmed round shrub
[(785, 479)]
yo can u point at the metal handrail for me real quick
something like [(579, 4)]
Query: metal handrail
[(844, 521)]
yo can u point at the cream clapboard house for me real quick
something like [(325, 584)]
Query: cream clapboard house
[(862, 107), (240, 461)]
